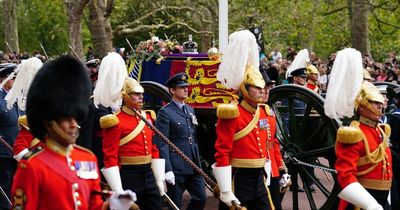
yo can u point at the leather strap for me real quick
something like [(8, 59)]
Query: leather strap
[(132, 135), (242, 133)]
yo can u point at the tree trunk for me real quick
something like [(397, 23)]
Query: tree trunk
[(98, 26), (10, 24), (74, 12), (359, 25)]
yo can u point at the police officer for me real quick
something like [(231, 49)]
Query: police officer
[(60, 175), (127, 143), (8, 131), (178, 122)]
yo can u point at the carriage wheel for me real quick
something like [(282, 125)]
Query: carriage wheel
[(155, 96), (306, 134)]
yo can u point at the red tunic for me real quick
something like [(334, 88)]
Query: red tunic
[(312, 86), (251, 146), (273, 146), (24, 141), (45, 180), (348, 156), (141, 145)]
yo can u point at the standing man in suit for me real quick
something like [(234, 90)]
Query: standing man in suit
[(178, 122)]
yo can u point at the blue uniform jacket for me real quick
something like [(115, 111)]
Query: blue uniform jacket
[(181, 130), (8, 125)]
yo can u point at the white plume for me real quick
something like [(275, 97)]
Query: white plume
[(112, 74), (344, 85), (300, 61), (26, 72), (242, 49)]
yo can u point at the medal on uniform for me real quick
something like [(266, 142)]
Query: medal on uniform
[(86, 169), (263, 124)]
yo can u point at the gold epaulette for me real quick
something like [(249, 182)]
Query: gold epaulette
[(108, 121), (349, 135), (23, 121), (152, 114), (83, 148), (267, 109), (386, 128), (227, 111)]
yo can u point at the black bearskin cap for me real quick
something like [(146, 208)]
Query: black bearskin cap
[(61, 88)]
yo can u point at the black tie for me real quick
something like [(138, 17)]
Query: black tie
[(184, 110)]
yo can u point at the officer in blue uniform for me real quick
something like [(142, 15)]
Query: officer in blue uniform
[(178, 122), (8, 131)]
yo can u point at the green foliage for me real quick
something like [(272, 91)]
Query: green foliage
[(319, 25)]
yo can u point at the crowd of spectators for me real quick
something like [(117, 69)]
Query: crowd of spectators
[(386, 71)]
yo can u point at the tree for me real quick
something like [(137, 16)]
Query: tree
[(74, 13), (100, 27), (10, 24), (358, 13), (178, 18)]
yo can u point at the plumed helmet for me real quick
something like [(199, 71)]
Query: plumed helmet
[(131, 86), (239, 66), (346, 90), (112, 74), (311, 69), (61, 88), (26, 72), (241, 57), (366, 75), (299, 63)]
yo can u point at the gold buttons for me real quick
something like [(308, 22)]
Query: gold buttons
[(76, 194), (75, 186), (79, 203), (72, 168)]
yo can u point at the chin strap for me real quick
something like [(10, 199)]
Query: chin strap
[(59, 132)]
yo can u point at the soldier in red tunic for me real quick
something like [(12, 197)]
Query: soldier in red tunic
[(131, 160), (60, 175), (312, 78), (243, 129), (364, 163), (280, 179)]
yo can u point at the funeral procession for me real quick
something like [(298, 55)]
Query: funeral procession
[(199, 105)]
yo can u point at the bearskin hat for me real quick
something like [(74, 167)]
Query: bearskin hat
[(61, 88)]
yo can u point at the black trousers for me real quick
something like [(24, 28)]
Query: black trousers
[(7, 171), (249, 189), (140, 179), (194, 184), (379, 195), (275, 191), (395, 191)]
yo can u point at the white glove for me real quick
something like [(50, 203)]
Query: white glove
[(375, 206), (21, 154), (170, 177), (357, 195), (228, 198), (117, 203), (285, 180), (158, 167)]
